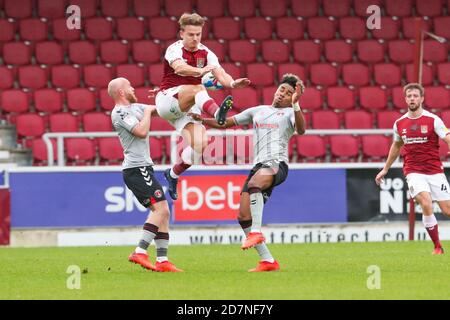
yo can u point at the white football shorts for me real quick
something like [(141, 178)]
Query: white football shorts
[(436, 184)]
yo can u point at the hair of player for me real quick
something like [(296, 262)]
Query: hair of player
[(191, 19), (292, 80), (414, 85)]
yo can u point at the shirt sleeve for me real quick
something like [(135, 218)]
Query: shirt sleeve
[(212, 59), (173, 53), (245, 117), (440, 128), (126, 120), (396, 135)]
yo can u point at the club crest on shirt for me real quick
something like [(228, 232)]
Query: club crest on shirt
[(424, 129), (200, 62)]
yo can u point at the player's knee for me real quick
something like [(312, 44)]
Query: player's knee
[(196, 89)]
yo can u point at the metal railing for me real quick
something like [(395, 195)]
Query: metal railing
[(60, 136)]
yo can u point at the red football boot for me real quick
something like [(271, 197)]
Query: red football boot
[(266, 266), (166, 266), (253, 239), (141, 259), (438, 250)]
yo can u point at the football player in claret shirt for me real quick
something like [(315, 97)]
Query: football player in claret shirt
[(418, 132), (181, 91)]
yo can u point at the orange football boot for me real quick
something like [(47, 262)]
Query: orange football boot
[(266, 266), (438, 250), (253, 239), (141, 259), (166, 266)]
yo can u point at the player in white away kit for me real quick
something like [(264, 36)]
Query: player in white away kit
[(418, 132), (132, 121), (273, 127), (181, 91)]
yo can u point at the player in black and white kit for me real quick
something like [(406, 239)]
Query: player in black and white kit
[(273, 126), (132, 122)]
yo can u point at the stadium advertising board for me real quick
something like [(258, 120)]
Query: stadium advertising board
[(91, 199)]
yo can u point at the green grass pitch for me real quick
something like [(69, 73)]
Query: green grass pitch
[(308, 271)]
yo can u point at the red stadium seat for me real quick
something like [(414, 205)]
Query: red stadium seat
[(390, 29), (99, 28), (63, 122), (401, 51), (6, 78), (146, 51), (32, 77), (145, 8), (14, 101), (437, 98), (160, 124), (96, 121), (321, 28), (49, 52), (398, 98), (226, 28), (218, 96), (373, 98), (386, 119), (107, 104), (242, 51), (443, 71), (133, 72), (375, 147), (434, 51), (344, 148), (232, 69), (156, 72), (205, 9), (340, 98), (216, 46), (244, 98), (352, 28), (408, 27), (39, 149), (48, 101), (429, 8), (88, 8), (65, 76), (82, 52), (307, 51), (177, 7), (323, 74), (261, 74), (294, 68), (336, 8), (289, 28), (370, 51), (427, 74), (18, 9), (114, 8), (360, 6), (387, 74), (80, 151), (130, 28), (258, 28), (163, 28), (113, 51), (399, 8), (325, 119), (62, 33), (268, 93), (311, 99), (305, 8), (441, 26), (241, 8), (358, 119), (110, 151), (156, 149), (7, 30), (33, 30), (51, 9), (355, 74), (275, 51), (338, 51), (16, 53), (80, 100), (97, 75), (30, 125), (270, 8), (310, 148), (445, 116)]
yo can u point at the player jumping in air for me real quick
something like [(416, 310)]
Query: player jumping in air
[(132, 121), (418, 132), (181, 91), (273, 127)]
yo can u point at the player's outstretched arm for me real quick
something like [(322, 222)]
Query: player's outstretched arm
[(394, 152), (298, 114), (183, 69), (210, 122), (227, 81)]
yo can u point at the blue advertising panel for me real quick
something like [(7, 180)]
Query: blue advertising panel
[(90, 199)]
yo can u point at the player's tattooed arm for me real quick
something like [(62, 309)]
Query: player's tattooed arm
[(210, 122)]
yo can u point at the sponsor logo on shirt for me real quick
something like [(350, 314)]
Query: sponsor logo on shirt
[(412, 140), (267, 125)]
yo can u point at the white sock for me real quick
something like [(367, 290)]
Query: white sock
[(262, 249), (256, 209), (140, 250), (162, 259), (200, 98), (173, 175), (429, 221)]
